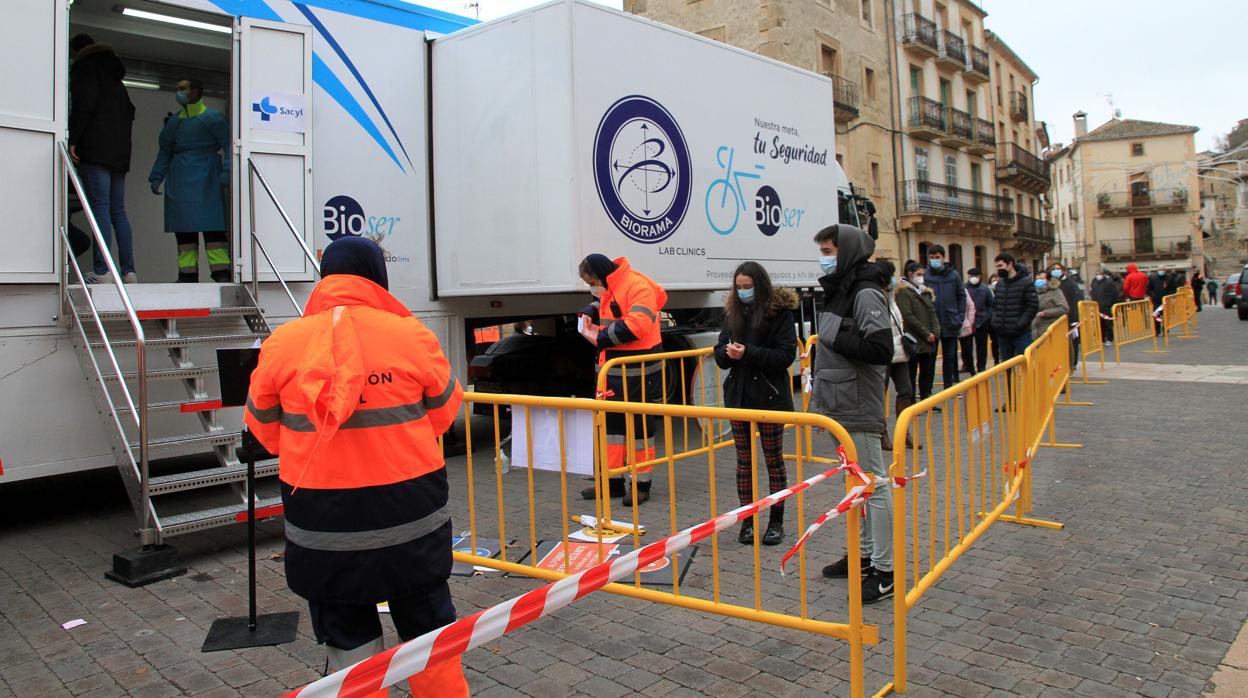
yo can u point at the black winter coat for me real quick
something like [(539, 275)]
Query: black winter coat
[(1016, 305), (101, 115), (1073, 295), (950, 298), (1106, 293), (760, 379)]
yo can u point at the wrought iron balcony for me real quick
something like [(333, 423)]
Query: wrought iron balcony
[(952, 49), (925, 118), (1147, 250), (977, 67), (844, 98), (1138, 201), (985, 138), (961, 129), (919, 32), (1018, 106), (1019, 168), (943, 201), (1034, 232)]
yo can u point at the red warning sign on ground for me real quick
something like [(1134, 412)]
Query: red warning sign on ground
[(579, 556)]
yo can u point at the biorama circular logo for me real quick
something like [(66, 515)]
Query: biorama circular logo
[(642, 169)]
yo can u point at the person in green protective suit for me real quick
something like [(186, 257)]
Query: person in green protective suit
[(191, 167)]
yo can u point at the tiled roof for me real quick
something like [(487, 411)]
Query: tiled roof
[(1133, 128)]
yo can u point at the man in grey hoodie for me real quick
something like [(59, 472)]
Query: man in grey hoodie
[(855, 349)]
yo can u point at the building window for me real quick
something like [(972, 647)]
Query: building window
[(840, 161), (920, 165), (868, 84), (916, 82), (1143, 234), (717, 33), (951, 170), (955, 256), (866, 13), (1137, 150), (981, 258), (827, 60), (875, 177), (975, 176)]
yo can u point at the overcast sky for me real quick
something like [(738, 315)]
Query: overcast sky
[(1178, 62)]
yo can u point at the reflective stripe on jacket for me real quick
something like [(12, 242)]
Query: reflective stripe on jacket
[(629, 310)]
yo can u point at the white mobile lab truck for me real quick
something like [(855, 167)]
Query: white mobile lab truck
[(485, 160)]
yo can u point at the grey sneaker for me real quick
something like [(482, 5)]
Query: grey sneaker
[(93, 278), (130, 278)]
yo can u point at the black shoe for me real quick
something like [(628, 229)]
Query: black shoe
[(774, 535), (746, 536), (222, 277), (642, 489), (615, 488), (840, 568), (877, 586)]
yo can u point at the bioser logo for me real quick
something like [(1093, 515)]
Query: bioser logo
[(642, 169)]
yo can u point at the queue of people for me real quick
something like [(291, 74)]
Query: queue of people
[(192, 165)]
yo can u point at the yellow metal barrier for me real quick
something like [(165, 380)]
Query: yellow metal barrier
[(1133, 322), (969, 465), (547, 495), (1178, 310), (1092, 340)]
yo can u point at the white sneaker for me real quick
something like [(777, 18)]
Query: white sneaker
[(130, 278), (93, 278)]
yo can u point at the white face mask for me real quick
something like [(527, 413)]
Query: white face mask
[(597, 291), (974, 280), (917, 281)]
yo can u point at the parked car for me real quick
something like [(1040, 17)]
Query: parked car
[(1241, 303), (1230, 291)]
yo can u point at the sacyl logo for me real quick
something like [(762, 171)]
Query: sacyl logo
[(265, 109), (642, 169)]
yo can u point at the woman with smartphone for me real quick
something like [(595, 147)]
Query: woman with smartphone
[(757, 345)]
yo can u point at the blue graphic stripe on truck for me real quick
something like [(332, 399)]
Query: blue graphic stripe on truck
[(333, 43), (323, 76)]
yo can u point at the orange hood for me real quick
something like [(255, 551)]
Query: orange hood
[(331, 373)]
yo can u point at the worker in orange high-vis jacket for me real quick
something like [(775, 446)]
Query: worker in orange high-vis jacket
[(624, 321), (352, 398)]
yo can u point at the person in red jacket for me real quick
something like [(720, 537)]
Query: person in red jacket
[(352, 398), (1135, 286), (624, 321)]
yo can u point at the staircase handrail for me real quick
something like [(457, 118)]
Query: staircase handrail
[(253, 174)]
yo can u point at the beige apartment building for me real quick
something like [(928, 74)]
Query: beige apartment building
[(1127, 192), (1224, 204), (844, 39)]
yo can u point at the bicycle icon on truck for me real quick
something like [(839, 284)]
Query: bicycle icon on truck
[(724, 214)]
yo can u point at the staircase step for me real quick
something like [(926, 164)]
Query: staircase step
[(187, 340), (167, 374), (177, 313), (187, 444), (184, 406), (208, 477), (218, 516)]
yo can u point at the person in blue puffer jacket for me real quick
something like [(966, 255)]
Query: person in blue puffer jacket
[(946, 283)]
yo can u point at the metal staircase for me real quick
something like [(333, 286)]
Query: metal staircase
[(186, 323), (174, 443)]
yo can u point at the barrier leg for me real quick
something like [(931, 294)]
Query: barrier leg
[(1024, 504), (1052, 442), (1068, 402)]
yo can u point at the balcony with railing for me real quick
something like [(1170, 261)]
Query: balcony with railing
[(1147, 249), (1019, 168), (925, 118), (919, 34), (1018, 106), (976, 69), (952, 49), (1140, 201), (985, 141), (1033, 233), (961, 129), (844, 98), (940, 203)]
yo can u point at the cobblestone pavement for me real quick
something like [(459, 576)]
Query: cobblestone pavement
[(1140, 594)]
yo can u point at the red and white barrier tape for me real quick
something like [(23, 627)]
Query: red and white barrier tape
[(410, 658)]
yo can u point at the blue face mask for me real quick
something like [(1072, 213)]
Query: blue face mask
[(1056, 273), (183, 97), (937, 264), (1041, 284), (746, 295), (827, 263)]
